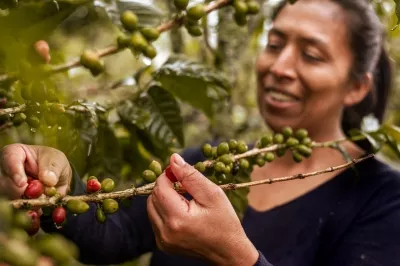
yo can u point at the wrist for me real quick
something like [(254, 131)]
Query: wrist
[(241, 253)]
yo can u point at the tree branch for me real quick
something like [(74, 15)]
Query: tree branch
[(147, 189)]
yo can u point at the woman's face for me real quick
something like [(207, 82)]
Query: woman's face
[(303, 72)]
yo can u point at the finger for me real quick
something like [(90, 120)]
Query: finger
[(154, 216), (166, 200), (197, 185), (54, 169), (13, 160)]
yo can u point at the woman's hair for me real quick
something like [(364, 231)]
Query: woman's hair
[(366, 42)]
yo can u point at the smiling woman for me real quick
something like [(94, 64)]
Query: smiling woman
[(324, 68)]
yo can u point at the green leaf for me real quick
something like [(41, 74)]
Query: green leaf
[(194, 83), (157, 113), (397, 11), (391, 130), (238, 197), (376, 144)]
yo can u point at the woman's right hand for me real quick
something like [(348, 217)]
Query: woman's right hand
[(18, 161)]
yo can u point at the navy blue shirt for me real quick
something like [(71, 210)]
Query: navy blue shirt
[(351, 220)]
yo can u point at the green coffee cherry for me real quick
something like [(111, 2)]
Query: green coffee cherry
[(138, 41), (240, 19), (260, 160), (196, 12), (304, 150), (200, 166), (253, 7), (244, 163), (307, 141), (287, 131), (91, 60), (33, 121), (194, 30), (107, 185), (11, 104), (266, 140), (18, 234), (240, 7), (222, 178), (151, 34), (150, 51), (22, 220), (280, 152), (279, 138), (223, 148), (291, 142), (301, 134), (269, 156), (129, 20), (15, 252), (18, 119), (123, 41), (297, 157), (155, 167), (219, 167), (110, 206), (207, 150), (242, 147), (149, 176), (226, 159), (58, 248), (232, 144), (100, 215), (77, 206), (181, 4)]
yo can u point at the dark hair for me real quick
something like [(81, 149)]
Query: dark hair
[(366, 42)]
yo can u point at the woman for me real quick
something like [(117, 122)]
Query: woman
[(323, 69)]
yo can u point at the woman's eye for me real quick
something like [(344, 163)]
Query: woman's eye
[(273, 46), (311, 57)]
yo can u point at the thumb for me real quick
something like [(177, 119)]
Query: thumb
[(54, 169), (196, 184)]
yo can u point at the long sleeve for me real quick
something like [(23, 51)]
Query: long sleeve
[(125, 235), (262, 261)]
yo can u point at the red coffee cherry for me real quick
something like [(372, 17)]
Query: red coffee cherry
[(59, 214), (93, 185), (34, 190), (43, 50), (35, 223), (170, 175)]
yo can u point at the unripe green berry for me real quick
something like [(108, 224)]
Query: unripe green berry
[(18, 119), (214, 152), (151, 34), (123, 41), (107, 185), (280, 152), (301, 134), (77, 206), (223, 148), (181, 4), (91, 60), (240, 7), (227, 169), (226, 159), (92, 177), (287, 131), (297, 157), (242, 147), (100, 216), (150, 51), (155, 167), (33, 121), (149, 176), (266, 140), (194, 30), (260, 160), (200, 166), (279, 138), (232, 144), (244, 163), (129, 20), (207, 150), (269, 156), (307, 141), (138, 41), (222, 178), (219, 167), (304, 150), (253, 7), (291, 142), (196, 12), (50, 191), (240, 19), (110, 206)]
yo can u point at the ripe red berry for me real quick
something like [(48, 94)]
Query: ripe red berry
[(170, 175), (35, 223), (93, 185), (34, 190), (30, 179), (59, 214)]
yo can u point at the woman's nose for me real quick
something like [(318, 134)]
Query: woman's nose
[(284, 65)]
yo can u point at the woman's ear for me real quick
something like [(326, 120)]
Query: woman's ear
[(358, 90)]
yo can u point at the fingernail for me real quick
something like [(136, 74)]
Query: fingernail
[(51, 177), (179, 160)]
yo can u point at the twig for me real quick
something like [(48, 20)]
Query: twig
[(145, 190)]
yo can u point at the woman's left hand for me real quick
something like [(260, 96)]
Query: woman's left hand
[(206, 226)]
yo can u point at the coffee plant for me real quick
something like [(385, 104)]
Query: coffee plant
[(127, 141)]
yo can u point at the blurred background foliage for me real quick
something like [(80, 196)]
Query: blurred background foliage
[(196, 90)]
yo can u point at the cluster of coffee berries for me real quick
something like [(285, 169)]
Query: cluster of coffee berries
[(17, 248), (138, 39), (244, 8), (152, 172), (297, 142), (7, 101)]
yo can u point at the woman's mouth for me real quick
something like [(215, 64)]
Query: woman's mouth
[(279, 100), (280, 96)]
